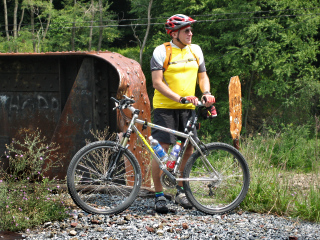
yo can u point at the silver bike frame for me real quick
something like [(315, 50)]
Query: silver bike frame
[(162, 166)]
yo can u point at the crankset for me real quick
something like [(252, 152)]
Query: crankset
[(165, 181)]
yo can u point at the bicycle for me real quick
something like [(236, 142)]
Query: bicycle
[(104, 177)]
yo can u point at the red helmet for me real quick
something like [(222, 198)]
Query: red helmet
[(177, 22)]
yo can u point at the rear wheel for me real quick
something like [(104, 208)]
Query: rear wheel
[(219, 185), (89, 184)]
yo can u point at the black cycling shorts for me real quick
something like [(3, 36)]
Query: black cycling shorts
[(175, 119)]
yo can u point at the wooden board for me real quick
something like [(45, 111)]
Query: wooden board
[(235, 107)]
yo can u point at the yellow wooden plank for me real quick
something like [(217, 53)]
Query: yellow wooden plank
[(235, 107)]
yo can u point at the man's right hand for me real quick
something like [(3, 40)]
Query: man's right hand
[(192, 99)]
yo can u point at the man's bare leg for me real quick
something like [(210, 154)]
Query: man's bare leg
[(156, 171)]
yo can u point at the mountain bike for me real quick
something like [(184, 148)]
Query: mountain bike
[(104, 177)]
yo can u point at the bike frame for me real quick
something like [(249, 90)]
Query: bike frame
[(188, 137)]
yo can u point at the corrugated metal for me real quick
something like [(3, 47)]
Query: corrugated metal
[(66, 94)]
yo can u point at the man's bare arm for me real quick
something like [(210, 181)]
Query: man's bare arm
[(204, 82)]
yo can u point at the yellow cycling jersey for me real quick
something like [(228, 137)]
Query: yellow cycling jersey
[(181, 77)]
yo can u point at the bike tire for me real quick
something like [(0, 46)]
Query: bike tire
[(87, 183), (211, 194)]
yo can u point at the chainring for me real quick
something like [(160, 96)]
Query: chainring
[(165, 181)]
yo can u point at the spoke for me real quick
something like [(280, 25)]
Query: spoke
[(90, 170), (118, 189)]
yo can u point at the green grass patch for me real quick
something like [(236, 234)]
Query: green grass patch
[(284, 172), (24, 205)]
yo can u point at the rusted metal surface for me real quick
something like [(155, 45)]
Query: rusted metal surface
[(66, 94)]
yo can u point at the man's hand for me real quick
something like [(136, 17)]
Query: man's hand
[(192, 99), (208, 100)]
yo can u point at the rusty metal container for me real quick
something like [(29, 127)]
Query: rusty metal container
[(65, 95)]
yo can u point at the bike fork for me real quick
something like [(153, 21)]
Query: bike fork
[(113, 163)]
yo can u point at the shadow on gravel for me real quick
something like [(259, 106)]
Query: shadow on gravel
[(10, 235)]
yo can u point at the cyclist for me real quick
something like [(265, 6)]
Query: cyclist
[(186, 65)]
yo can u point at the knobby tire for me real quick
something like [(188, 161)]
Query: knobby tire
[(220, 194), (87, 183)]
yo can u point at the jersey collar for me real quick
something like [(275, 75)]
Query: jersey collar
[(175, 46)]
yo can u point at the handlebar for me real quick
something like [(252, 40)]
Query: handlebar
[(185, 101), (126, 102), (123, 103)]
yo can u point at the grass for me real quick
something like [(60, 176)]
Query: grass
[(285, 174), (278, 185), (27, 197), (24, 205)]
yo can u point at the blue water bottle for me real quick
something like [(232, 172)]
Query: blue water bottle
[(174, 155), (158, 149)]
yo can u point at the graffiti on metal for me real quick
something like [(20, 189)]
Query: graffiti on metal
[(67, 94)]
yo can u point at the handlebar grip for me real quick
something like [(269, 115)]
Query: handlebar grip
[(185, 101), (116, 100)]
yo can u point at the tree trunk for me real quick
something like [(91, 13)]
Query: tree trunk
[(6, 19), (248, 100), (32, 28), (147, 32), (48, 21), (100, 28), (74, 25), (15, 20), (21, 20), (91, 24)]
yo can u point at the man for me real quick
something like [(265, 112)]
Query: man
[(176, 82)]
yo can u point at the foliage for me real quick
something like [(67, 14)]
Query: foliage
[(292, 148), (27, 197), (62, 21), (132, 53), (28, 157), (277, 188), (273, 46), (23, 206)]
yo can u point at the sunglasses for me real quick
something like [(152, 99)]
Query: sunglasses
[(188, 30)]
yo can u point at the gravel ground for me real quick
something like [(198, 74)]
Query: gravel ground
[(140, 221)]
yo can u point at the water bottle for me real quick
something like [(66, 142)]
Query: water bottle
[(174, 155), (158, 149)]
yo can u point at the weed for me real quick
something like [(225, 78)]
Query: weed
[(27, 197), (284, 171)]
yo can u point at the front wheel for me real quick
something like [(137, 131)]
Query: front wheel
[(102, 183), (220, 184)]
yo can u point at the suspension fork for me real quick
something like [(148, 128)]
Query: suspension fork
[(115, 158), (113, 162)]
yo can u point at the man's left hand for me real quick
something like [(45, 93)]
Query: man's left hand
[(208, 100)]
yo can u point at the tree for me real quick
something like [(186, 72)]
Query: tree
[(48, 20), (6, 19), (15, 20), (74, 24), (100, 22), (139, 7), (92, 13), (272, 46)]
